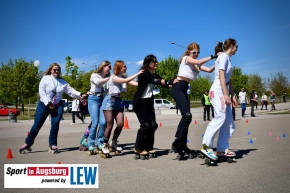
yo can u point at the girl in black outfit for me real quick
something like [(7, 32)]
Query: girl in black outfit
[(143, 104)]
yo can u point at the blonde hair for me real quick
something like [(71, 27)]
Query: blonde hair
[(102, 65), (190, 47)]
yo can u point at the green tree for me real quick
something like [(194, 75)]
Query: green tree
[(167, 69), (239, 80), (18, 79), (279, 83), (199, 85), (71, 73), (256, 83)]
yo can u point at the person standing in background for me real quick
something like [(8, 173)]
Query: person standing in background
[(284, 96), (243, 101), (253, 102), (205, 101), (264, 101), (256, 97), (75, 111), (272, 98)]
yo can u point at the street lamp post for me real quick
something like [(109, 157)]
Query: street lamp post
[(270, 80), (88, 65), (177, 45)]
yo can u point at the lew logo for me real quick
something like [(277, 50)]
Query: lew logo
[(51, 176), (83, 175)]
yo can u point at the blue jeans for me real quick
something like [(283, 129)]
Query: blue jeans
[(94, 107), (102, 127), (243, 106), (41, 114)]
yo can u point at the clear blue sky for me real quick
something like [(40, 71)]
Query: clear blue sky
[(91, 31)]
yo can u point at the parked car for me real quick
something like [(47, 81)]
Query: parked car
[(125, 104), (163, 103), (69, 105), (4, 110)]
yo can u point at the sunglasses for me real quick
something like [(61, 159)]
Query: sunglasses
[(155, 62), (125, 66), (56, 70), (195, 52)]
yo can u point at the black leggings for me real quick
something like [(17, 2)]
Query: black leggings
[(179, 94), (146, 116)]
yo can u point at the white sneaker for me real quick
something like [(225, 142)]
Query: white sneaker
[(105, 148), (208, 152), (113, 144), (72, 124)]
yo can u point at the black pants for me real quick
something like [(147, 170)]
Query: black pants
[(77, 113), (252, 108), (206, 110), (147, 119), (234, 113), (178, 93), (284, 99)]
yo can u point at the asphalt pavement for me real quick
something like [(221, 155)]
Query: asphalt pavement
[(262, 166)]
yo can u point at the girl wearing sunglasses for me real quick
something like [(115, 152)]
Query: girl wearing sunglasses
[(188, 70), (51, 88)]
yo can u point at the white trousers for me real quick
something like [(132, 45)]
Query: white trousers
[(222, 122)]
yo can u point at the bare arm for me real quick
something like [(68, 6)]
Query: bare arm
[(192, 61), (207, 69), (133, 83), (119, 80)]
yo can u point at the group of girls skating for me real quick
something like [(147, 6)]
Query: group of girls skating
[(104, 103)]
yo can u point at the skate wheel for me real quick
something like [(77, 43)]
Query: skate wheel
[(229, 160), (136, 157), (191, 156), (89, 153), (170, 151)]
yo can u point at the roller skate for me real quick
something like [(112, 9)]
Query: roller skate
[(210, 157), (92, 151), (53, 149), (228, 156), (190, 153), (140, 154), (105, 153), (113, 147), (177, 148), (83, 144), (25, 147), (151, 153)]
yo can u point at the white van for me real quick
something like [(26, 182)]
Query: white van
[(162, 104)]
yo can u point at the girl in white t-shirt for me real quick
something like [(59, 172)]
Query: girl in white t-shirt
[(220, 92)]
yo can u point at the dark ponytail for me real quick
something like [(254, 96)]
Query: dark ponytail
[(218, 48)]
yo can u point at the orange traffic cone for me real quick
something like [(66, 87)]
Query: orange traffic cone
[(195, 122), (58, 162), (27, 133), (247, 121), (160, 124), (9, 154), (126, 125)]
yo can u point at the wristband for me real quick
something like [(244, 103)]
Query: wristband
[(213, 56)]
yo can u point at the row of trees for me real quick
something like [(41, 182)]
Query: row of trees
[(19, 80)]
